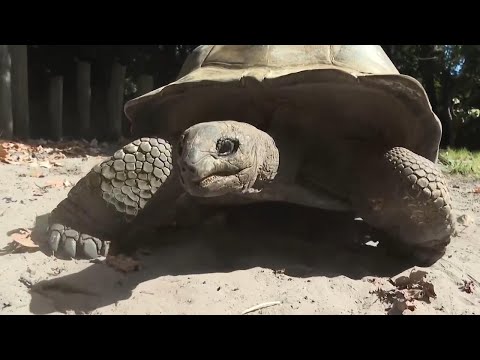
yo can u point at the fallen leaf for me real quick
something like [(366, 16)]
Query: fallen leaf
[(468, 286), (123, 263), (3, 153), (408, 289), (476, 190), (23, 237)]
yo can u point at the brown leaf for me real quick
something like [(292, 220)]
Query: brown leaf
[(468, 286), (23, 237), (123, 263), (417, 275), (476, 190), (3, 153)]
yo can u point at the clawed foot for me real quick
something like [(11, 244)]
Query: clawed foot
[(67, 242)]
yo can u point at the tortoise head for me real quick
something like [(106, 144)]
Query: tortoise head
[(221, 157)]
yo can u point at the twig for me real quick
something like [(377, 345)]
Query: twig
[(261, 306)]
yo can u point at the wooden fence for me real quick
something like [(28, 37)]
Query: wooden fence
[(14, 97)]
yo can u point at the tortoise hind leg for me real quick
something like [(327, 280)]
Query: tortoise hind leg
[(406, 196), (104, 203)]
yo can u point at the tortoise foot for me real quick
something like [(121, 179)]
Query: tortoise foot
[(66, 242)]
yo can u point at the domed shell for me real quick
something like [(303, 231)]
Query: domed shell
[(212, 71)]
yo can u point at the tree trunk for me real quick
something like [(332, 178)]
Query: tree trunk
[(145, 84), (20, 98), (83, 98), (56, 107), (445, 112), (115, 100), (427, 70), (6, 117)]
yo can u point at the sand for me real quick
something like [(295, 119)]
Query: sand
[(273, 258)]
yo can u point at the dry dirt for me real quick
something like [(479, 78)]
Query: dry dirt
[(274, 258)]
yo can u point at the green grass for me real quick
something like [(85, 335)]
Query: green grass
[(461, 161)]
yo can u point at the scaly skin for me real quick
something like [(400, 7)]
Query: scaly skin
[(91, 215), (408, 199)]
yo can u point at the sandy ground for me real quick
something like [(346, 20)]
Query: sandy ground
[(299, 265)]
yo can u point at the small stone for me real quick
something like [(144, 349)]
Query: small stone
[(130, 166), (139, 164), (150, 158), (131, 182), (117, 191), (136, 142), (121, 176), (143, 176), (166, 171), (163, 157), (153, 142), (131, 174)]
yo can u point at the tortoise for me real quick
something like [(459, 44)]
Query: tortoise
[(335, 127)]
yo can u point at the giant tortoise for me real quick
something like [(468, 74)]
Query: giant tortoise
[(335, 127)]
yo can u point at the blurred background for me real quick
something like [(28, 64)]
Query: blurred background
[(78, 91)]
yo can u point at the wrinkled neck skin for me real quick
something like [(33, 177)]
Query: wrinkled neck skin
[(226, 158)]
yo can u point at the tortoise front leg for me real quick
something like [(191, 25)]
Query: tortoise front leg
[(103, 204), (406, 196)]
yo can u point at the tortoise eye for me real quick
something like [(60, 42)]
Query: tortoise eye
[(227, 147)]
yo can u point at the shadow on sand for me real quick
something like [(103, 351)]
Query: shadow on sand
[(301, 242)]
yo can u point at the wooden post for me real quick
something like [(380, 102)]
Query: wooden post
[(144, 84), (20, 103), (55, 107), (83, 98), (6, 117), (115, 100)]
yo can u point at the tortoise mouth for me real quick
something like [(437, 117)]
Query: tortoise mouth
[(212, 179)]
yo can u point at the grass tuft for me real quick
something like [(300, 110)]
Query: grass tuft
[(461, 161)]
